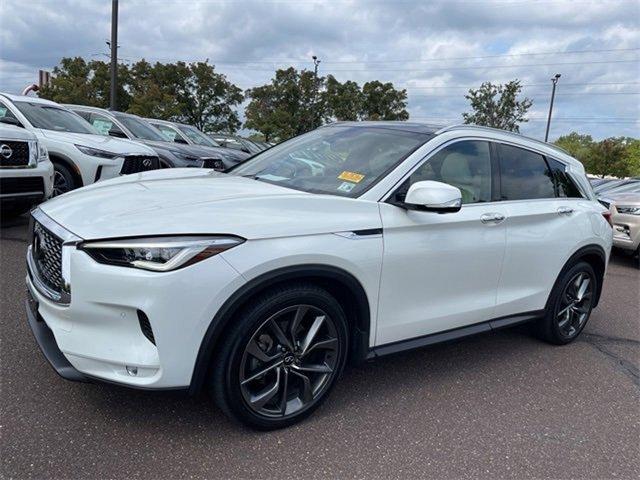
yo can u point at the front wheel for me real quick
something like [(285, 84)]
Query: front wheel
[(63, 180), (282, 357), (570, 304)]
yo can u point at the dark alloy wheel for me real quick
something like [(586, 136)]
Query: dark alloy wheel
[(62, 180), (570, 304), (283, 357)]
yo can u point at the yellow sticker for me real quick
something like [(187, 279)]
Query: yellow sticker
[(351, 176)]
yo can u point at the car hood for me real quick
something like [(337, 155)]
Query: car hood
[(632, 199), (196, 201), (102, 142)]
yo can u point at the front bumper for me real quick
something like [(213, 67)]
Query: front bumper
[(626, 231), (98, 334), (21, 180)]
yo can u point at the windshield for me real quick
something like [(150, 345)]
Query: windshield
[(338, 160), (197, 137), (140, 128), (49, 117)]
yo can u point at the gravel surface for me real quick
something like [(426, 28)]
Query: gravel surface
[(500, 405)]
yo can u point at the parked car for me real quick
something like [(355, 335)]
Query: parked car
[(126, 125), (262, 283), (80, 155), (190, 135), (624, 204), (26, 173), (237, 143), (612, 183)]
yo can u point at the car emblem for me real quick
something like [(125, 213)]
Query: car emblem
[(146, 162), (5, 151)]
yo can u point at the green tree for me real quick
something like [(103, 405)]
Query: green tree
[(577, 145), (632, 155), (498, 106), (344, 101), (86, 83), (608, 157), (286, 107), (381, 101)]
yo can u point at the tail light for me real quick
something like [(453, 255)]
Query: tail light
[(607, 217)]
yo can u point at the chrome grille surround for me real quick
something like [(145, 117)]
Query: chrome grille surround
[(48, 257)]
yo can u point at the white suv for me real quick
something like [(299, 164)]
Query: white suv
[(353, 241), (26, 174), (80, 155)]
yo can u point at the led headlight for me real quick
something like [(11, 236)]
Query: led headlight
[(628, 210), (94, 152), (160, 254)]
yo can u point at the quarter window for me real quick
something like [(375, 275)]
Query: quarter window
[(466, 165), (565, 186), (524, 175)]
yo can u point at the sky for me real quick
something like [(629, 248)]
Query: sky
[(436, 50)]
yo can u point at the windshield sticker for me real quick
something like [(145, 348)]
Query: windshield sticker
[(351, 177), (346, 187)]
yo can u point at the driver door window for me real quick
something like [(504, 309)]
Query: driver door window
[(466, 165)]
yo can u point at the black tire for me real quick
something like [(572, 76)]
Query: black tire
[(232, 381), (63, 180), (567, 310)]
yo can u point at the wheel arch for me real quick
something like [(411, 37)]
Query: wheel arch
[(70, 165), (347, 290), (595, 256)]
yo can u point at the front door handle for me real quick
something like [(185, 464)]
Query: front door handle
[(565, 211), (492, 218)]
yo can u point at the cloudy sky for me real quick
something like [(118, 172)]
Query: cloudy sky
[(437, 50)]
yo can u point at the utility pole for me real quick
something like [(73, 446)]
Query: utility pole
[(554, 81), (316, 62), (114, 54)]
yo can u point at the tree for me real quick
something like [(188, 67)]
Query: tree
[(85, 83), (381, 101), (608, 157), (497, 106), (287, 106), (577, 145), (344, 101)]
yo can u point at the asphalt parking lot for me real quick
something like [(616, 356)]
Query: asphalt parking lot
[(501, 405)]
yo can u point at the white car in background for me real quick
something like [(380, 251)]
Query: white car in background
[(80, 155), (26, 174), (263, 282)]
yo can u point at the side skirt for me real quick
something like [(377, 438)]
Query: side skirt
[(454, 334)]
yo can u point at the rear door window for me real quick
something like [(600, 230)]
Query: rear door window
[(524, 175)]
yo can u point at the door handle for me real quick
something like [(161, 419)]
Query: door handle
[(492, 218), (565, 211)]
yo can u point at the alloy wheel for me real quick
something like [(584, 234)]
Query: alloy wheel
[(575, 304), (60, 184), (289, 361)]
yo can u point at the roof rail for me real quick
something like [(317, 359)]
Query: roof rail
[(505, 132)]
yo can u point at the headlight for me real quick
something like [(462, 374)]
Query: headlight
[(160, 254), (43, 154), (628, 210), (94, 152)]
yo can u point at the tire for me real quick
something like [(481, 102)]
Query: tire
[(63, 180), (259, 364), (570, 304)]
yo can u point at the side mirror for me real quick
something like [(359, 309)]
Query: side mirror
[(117, 133), (11, 121), (433, 196)]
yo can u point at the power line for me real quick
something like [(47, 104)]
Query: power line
[(451, 95), (522, 85)]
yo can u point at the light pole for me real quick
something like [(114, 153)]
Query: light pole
[(554, 81), (114, 53), (316, 62)]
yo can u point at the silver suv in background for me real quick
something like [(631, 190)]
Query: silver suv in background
[(26, 173)]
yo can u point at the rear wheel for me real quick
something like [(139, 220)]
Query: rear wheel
[(63, 180), (282, 357), (570, 304)]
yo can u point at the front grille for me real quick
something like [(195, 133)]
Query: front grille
[(15, 185), (14, 154), (139, 163), (47, 254), (214, 163)]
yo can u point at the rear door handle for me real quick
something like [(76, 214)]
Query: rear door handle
[(565, 211), (492, 218)]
